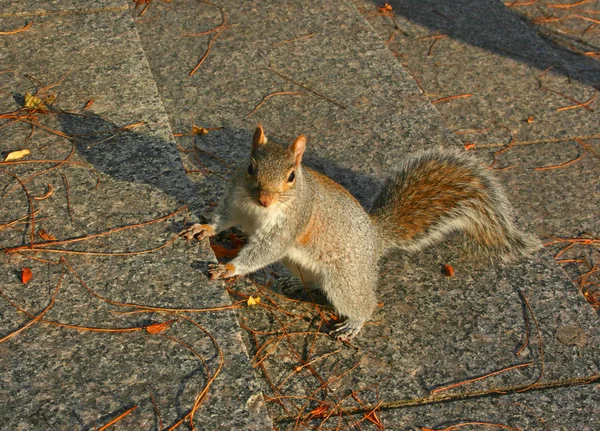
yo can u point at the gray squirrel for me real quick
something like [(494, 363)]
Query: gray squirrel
[(323, 235)]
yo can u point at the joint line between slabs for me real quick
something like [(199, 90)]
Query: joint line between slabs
[(65, 12)]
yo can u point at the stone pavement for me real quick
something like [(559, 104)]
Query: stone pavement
[(362, 111), (59, 378), (522, 82)]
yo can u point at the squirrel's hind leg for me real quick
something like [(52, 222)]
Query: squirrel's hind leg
[(300, 281), (353, 299)]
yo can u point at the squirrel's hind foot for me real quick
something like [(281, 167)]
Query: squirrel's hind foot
[(292, 286), (347, 330)]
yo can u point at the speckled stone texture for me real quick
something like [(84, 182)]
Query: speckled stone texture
[(519, 82), (361, 112), (53, 377), (562, 409)]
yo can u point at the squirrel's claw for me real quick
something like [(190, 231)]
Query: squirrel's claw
[(218, 270), (198, 231), (293, 286), (347, 330)]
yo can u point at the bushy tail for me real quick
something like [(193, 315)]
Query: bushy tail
[(437, 192)]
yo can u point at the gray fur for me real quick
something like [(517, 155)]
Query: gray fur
[(341, 256)]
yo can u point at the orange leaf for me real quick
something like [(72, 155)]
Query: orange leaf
[(448, 271), (26, 275), (470, 146), (88, 103), (319, 410), (45, 236), (236, 241), (157, 328), (386, 8), (221, 251)]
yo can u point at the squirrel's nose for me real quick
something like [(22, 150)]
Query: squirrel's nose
[(265, 199)]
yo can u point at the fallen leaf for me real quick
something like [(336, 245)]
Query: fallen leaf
[(448, 271), (199, 130), (45, 236), (221, 251), (157, 328), (386, 8), (253, 301), (35, 103), (16, 155), (319, 410), (26, 275), (470, 146), (50, 99), (88, 103), (236, 241), (530, 119)]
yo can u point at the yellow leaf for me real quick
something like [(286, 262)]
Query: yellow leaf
[(50, 99), (254, 301), (199, 130), (16, 155), (34, 102)]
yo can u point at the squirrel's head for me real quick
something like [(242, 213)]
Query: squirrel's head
[(273, 171)]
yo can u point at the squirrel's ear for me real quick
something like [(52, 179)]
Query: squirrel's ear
[(259, 137), (298, 147)]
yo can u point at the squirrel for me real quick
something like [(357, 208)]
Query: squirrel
[(323, 235)]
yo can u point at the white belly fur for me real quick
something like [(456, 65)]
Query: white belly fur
[(311, 268)]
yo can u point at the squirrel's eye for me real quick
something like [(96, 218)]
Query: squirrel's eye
[(250, 169), (291, 177)]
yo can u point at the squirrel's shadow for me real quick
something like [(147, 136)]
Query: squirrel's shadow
[(132, 156), (127, 155)]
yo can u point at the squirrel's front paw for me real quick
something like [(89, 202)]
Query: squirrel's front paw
[(217, 270), (347, 330), (198, 231)]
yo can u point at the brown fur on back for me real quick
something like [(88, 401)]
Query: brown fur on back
[(429, 193), (436, 192)]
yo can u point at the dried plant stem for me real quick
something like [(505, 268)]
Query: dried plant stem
[(445, 99), (118, 418), (42, 245), (306, 36), (476, 379), (26, 27), (39, 316), (268, 96), (299, 84)]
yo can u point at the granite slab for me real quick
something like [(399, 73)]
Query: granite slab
[(111, 183), (361, 112)]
